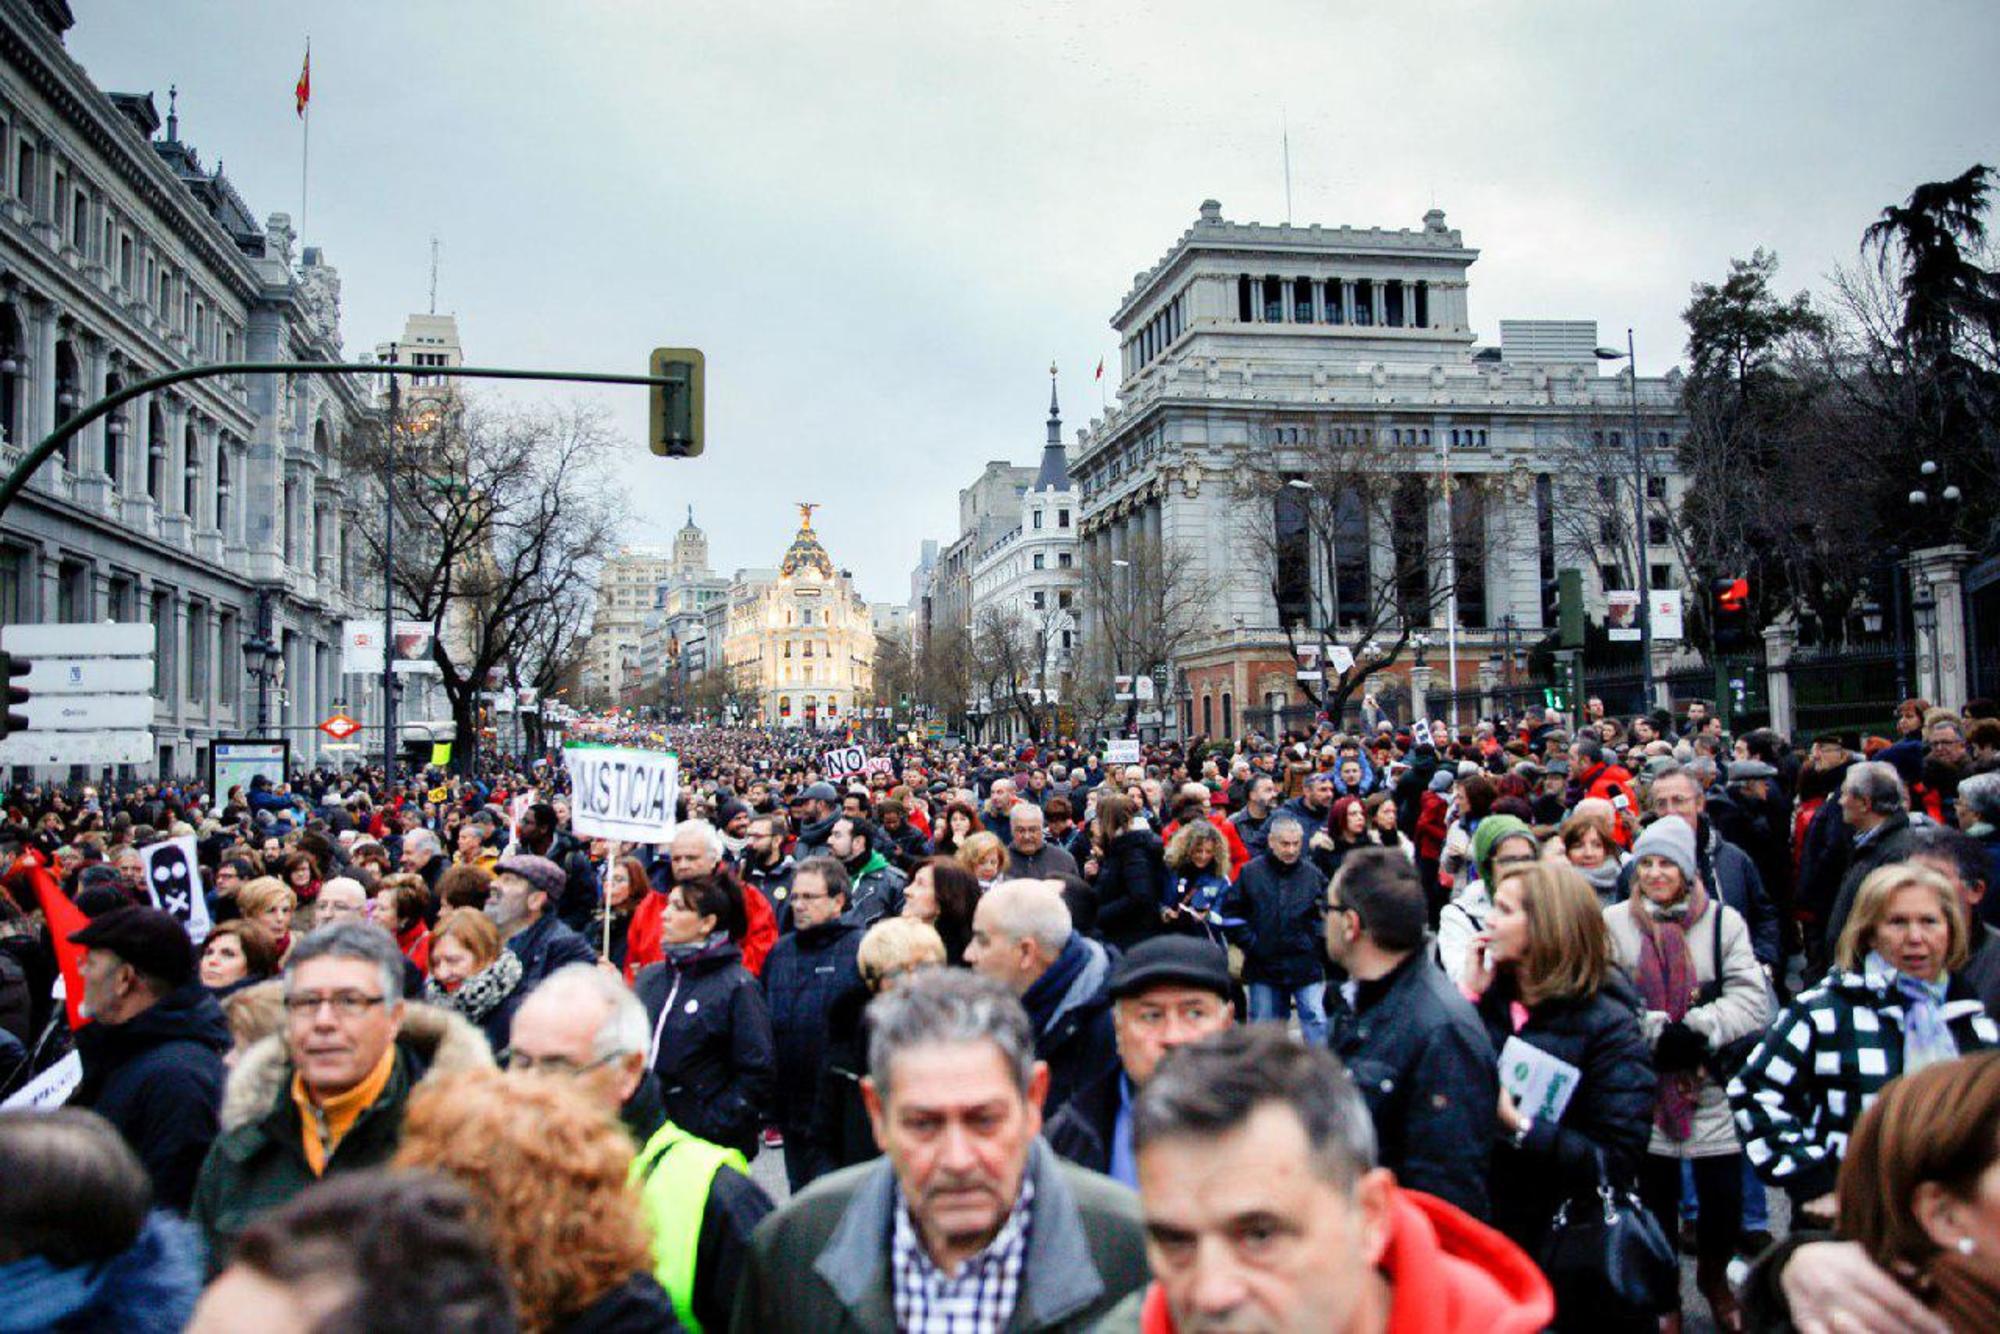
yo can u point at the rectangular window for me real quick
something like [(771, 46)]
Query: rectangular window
[(1350, 559), (1062, 518), (1410, 540), (1612, 577), (1041, 600), (1274, 300), (1036, 519), (1656, 488), (1662, 576), (197, 636), (1064, 560), (1334, 312), (1392, 304), (1302, 301), (1040, 560), (1063, 600), (1293, 548), (1364, 302), (1656, 532), (1468, 519), (1607, 488)]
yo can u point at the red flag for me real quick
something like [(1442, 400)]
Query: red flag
[(1100, 368), (64, 918), (302, 91)]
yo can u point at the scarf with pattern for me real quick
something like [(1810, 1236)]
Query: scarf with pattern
[(1666, 980)]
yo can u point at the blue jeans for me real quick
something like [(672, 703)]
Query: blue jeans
[(1272, 1002), (1756, 1205)]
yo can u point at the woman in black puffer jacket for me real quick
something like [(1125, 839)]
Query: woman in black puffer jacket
[(1542, 972), (1131, 873), (711, 1041)]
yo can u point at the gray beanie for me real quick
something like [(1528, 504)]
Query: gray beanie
[(1670, 837)]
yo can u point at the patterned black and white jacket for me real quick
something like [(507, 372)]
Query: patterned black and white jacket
[(1798, 1097)]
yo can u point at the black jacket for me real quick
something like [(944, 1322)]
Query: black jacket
[(580, 886), (841, 1133), (1129, 876), (1253, 831), (1082, 1131), (545, 947), (158, 1078), (1421, 1058), (1890, 844), (1070, 1008), (713, 1047), (1283, 932), (1611, 1111), (805, 973)]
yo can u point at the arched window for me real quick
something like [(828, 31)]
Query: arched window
[(1228, 714), (156, 448)]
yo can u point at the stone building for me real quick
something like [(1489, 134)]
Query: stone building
[(216, 509), (1254, 350), (800, 640), (624, 659)]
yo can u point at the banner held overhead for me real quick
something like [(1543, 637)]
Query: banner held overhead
[(623, 792)]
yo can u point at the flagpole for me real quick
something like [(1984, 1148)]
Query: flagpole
[(305, 153)]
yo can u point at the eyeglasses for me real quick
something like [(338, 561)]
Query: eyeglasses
[(346, 1004), (555, 1065), (1329, 908)]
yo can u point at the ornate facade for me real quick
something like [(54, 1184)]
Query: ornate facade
[(800, 638), (217, 509)]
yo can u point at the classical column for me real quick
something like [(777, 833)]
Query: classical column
[(1379, 301), (1489, 677), (1781, 639), (1944, 671), (100, 593), (49, 600), (1420, 684)]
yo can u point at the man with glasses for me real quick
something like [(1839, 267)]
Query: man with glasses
[(328, 1097), (585, 1026), (806, 975), (1415, 1047), (1165, 993)]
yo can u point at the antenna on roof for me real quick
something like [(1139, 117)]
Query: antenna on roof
[(1285, 135), (434, 273)]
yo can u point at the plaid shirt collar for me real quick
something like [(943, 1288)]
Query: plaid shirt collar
[(980, 1298)]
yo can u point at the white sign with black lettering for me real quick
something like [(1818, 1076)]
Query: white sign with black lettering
[(50, 1089), (173, 877), (622, 792), (1121, 750), (844, 761)]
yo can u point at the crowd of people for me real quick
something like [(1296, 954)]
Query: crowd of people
[(1387, 1028)]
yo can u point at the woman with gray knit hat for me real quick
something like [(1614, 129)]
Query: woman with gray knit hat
[(1691, 957)]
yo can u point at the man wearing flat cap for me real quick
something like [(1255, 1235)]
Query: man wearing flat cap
[(526, 891), (152, 1051), (1165, 993)]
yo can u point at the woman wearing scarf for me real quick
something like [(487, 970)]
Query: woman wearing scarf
[(1894, 1003), (474, 974), (1702, 988), (710, 1043)]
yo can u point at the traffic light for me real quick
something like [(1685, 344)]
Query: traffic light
[(677, 413), (1569, 608), (1729, 607), (11, 720)]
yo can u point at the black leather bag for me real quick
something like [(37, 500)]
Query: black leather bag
[(1605, 1253), (1725, 1061)]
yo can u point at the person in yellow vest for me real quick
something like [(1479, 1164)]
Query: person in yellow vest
[(584, 1024)]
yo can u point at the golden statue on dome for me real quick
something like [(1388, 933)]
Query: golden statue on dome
[(806, 509)]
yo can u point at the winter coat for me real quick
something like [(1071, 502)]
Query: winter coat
[(1252, 832), (259, 1161), (1283, 931), (822, 1263), (1069, 1007), (1130, 876), (1744, 1006), (1610, 1114), (158, 1078), (150, 1287), (775, 884), (639, 1305), (581, 888), (711, 1045), (1199, 895), (1890, 843), (545, 947), (1610, 782), (1798, 1097), (1423, 1061), (1728, 869), (1825, 843), (1083, 1131), (841, 1133), (488, 999), (1048, 862), (807, 972), (877, 890)]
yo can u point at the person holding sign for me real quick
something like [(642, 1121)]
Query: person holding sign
[(1696, 969), (1576, 1088)]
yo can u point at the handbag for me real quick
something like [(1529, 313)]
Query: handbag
[(1732, 1056), (1605, 1253)]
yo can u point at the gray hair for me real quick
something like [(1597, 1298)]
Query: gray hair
[(423, 838), (703, 830), (624, 1029), (1879, 785), (1280, 823), (1024, 812), (1982, 793), (948, 1007), (1030, 910), (1214, 1086), (352, 940)]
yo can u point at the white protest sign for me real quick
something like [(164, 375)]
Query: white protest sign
[(842, 761), (622, 792), (1342, 658), (50, 1089), (1541, 1084), (173, 877), (879, 764), (1121, 750)]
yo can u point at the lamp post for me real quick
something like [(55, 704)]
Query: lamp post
[(1631, 359), (1923, 601)]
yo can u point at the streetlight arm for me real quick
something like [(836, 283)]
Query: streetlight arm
[(56, 439)]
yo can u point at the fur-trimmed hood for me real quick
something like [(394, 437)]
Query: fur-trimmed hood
[(444, 1041)]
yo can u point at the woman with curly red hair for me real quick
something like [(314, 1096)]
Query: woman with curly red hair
[(548, 1168)]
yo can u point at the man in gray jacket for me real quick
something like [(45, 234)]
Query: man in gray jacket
[(967, 1208)]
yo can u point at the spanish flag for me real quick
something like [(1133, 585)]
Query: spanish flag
[(1100, 369), (302, 91)]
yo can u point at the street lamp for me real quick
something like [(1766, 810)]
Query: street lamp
[(1631, 358), (1299, 484)]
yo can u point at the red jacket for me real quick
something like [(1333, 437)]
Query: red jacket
[(1432, 826), (1611, 781), (642, 934), (1448, 1274)]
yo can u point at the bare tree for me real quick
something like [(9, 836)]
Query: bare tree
[(501, 517), (1020, 665), (1143, 610), (1344, 539)]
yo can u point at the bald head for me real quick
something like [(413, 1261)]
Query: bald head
[(1018, 930)]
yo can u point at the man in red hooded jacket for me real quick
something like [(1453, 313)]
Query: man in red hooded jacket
[(1264, 1209)]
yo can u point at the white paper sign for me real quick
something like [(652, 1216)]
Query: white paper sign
[(173, 877), (1541, 1084), (1121, 750), (622, 792), (843, 761), (50, 1089), (361, 648), (1342, 658), (1669, 625)]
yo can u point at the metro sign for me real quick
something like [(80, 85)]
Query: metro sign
[(340, 727)]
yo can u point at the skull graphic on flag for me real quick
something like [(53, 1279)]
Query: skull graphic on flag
[(173, 876)]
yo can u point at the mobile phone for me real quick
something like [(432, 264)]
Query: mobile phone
[(1619, 802)]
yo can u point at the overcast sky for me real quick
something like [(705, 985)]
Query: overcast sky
[(881, 221)]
